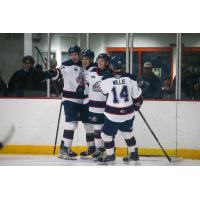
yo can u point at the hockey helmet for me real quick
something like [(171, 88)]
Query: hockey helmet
[(117, 62), (104, 56), (74, 49), (88, 53)]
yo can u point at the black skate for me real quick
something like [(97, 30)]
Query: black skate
[(66, 153), (132, 157), (106, 160), (98, 153), (88, 154)]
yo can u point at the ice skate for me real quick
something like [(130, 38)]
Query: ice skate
[(98, 153), (106, 160), (133, 157), (66, 153), (88, 154)]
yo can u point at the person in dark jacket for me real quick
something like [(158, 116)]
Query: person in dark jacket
[(150, 83), (27, 78), (3, 87)]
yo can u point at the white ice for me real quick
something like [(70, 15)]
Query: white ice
[(38, 160)]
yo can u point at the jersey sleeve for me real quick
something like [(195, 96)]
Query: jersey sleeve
[(87, 78), (104, 87), (136, 91), (59, 73), (136, 96)]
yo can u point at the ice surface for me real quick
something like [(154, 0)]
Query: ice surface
[(35, 160)]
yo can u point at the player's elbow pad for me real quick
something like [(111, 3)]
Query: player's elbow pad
[(137, 103)]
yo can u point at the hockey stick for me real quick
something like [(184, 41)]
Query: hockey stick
[(8, 137), (43, 60), (40, 54), (58, 124), (145, 121)]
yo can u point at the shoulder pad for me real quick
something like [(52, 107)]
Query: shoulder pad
[(93, 70), (107, 76), (70, 63)]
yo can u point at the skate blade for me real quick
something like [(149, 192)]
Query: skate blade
[(86, 157), (66, 158), (176, 160), (95, 159), (132, 162), (107, 163)]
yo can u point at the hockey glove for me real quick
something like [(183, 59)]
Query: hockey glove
[(137, 103), (80, 90)]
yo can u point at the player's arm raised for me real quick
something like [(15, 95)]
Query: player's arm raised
[(53, 74)]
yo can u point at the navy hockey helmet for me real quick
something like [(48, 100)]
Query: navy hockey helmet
[(88, 53), (74, 49), (104, 56), (117, 62)]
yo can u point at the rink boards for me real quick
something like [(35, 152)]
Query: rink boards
[(176, 124)]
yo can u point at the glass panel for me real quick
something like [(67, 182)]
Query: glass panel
[(190, 76), (12, 52), (161, 61)]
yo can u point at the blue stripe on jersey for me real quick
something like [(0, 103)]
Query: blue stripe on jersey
[(97, 104), (70, 63), (100, 72), (119, 111), (69, 94)]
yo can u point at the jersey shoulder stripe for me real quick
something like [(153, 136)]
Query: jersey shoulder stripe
[(107, 76), (93, 69), (70, 63)]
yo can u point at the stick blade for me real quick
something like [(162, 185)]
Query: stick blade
[(176, 159)]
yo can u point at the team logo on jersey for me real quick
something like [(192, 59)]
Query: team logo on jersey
[(117, 76), (96, 87), (122, 111), (92, 76), (93, 119), (81, 78)]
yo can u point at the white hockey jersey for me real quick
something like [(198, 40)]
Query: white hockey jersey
[(97, 100), (120, 89), (86, 78), (72, 75)]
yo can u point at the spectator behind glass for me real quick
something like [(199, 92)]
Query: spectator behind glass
[(150, 83), (3, 86), (25, 79), (190, 83), (168, 89), (55, 85)]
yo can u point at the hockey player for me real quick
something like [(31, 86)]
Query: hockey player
[(87, 58), (73, 96), (97, 101), (123, 97)]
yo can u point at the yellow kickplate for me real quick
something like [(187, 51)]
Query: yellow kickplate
[(120, 151)]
